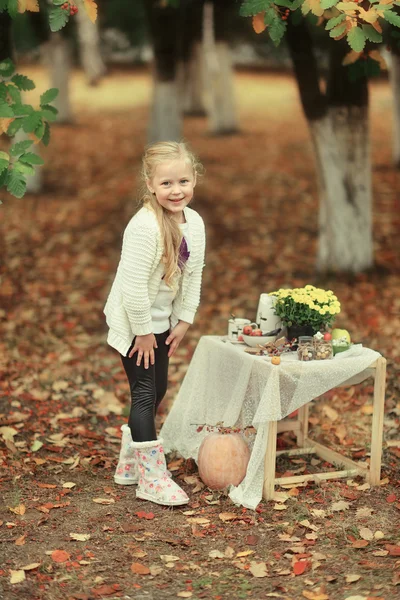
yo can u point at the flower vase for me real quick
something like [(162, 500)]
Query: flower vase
[(295, 331)]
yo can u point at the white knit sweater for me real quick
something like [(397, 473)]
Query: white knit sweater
[(139, 274)]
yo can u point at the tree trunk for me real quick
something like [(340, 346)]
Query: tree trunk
[(219, 72), (89, 48), (341, 143), (57, 55), (166, 111), (394, 72), (338, 122), (191, 65), (192, 82)]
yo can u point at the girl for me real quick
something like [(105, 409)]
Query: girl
[(152, 302)]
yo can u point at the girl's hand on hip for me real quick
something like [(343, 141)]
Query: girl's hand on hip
[(176, 336), (144, 346)]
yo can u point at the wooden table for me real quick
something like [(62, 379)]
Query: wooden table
[(371, 472), (224, 384)]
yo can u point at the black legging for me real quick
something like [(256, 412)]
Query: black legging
[(148, 387)]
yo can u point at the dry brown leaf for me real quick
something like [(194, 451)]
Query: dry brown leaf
[(21, 540), (69, 485), (366, 534), (17, 576), (91, 9), (80, 537), (140, 569), (31, 566), (228, 516), (340, 505), (18, 510), (352, 578), (216, 554), (59, 556), (258, 569), (104, 500), (185, 594), (199, 520), (258, 22)]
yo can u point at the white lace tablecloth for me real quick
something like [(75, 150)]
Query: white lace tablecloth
[(225, 384)]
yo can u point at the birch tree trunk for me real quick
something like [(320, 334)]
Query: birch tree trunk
[(341, 143), (193, 82), (57, 55), (338, 122), (89, 48), (394, 72), (219, 73)]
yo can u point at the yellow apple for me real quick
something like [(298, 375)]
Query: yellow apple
[(341, 333)]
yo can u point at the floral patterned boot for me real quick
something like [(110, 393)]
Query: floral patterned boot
[(155, 483), (127, 472)]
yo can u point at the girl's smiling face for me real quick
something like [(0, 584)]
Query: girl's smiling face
[(173, 183)]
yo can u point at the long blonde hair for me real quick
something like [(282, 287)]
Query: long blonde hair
[(170, 232)]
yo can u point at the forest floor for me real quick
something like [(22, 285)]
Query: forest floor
[(66, 530)]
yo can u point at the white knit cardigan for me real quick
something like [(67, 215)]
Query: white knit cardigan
[(139, 274)]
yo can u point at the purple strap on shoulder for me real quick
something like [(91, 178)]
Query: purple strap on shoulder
[(183, 253)]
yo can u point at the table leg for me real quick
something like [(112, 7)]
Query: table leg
[(377, 422), (302, 435), (270, 462)]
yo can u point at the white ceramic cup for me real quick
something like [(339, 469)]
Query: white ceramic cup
[(235, 327)]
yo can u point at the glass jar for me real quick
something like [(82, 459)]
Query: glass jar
[(305, 350), (322, 349)]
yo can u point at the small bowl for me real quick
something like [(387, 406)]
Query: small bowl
[(254, 340), (338, 349)]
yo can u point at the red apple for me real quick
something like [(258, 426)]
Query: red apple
[(240, 338), (327, 336), (256, 332), (247, 330)]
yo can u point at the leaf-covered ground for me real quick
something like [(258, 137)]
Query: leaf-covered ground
[(66, 530)]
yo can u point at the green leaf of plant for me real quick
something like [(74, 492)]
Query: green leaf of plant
[(48, 96), (338, 30), (16, 184), (328, 3), (32, 159), (24, 110), (371, 34), (6, 111), (30, 123), (334, 21), (20, 147), (277, 30), (356, 39), (4, 161), (3, 5), (253, 7), (3, 91), (14, 93), (392, 18), (23, 82), (46, 135), (39, 131), (24, 168), (7, 68), (12, 7), (58, 18), (49, 112), (14, 127), (286, 3)]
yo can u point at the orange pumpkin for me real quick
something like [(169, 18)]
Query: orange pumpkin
[(223, 460)]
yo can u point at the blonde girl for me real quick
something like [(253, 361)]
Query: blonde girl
[(152, 303)]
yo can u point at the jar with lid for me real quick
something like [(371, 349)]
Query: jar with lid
[(323, 349), (305, 350)]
